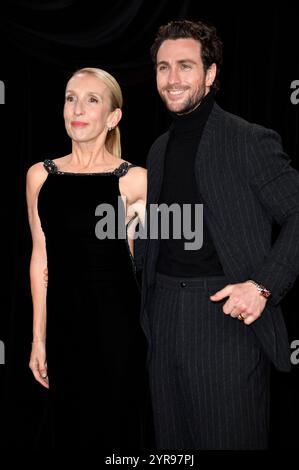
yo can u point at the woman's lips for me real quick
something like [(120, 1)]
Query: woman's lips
[(78, 124)]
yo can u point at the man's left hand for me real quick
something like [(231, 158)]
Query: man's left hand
[(244, 301)]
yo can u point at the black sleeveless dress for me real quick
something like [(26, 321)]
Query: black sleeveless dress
[(95, 345)]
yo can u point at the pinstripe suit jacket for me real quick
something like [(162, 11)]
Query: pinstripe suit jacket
[(246, 183)]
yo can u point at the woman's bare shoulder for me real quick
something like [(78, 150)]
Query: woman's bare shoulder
[(36, 175), (136, 176), (36, 170), (137, 171), (134, 184)]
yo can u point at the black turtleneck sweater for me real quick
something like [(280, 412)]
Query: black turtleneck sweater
[(179, 186)]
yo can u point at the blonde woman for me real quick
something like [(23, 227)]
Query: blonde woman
[(87, 346)]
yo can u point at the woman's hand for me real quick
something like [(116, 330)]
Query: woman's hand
[(38, 362)]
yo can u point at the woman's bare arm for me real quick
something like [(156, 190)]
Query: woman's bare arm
[(35, 178), (133, 187)]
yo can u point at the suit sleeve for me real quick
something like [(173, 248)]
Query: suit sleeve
[(141, 243), (276, 185), (139, 253)]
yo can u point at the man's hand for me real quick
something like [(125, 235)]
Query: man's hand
[(244, 301)]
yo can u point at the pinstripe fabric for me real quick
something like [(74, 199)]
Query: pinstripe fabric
[(209, 372), (246, 183), (209, 377)]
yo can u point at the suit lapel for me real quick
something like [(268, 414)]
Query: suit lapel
[(211, 165), (155, 179), (156, 172), (207, 149)]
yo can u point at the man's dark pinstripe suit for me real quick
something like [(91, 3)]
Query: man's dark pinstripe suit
[(246, 183)]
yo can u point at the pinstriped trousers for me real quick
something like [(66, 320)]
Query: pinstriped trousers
[(209, 377)]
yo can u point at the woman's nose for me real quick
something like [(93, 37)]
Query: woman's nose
[(79, 108)]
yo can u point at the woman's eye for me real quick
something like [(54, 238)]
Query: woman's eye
[(91, 99)]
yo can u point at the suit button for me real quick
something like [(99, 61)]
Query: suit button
[(183, 284)]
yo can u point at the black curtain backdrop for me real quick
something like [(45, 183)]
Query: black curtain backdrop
[(42, 43)]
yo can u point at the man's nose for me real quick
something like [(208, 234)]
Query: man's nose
[(173, 76)]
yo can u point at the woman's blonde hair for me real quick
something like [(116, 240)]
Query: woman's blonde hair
[(112, 142)]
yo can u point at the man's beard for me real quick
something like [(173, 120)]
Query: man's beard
[(188, 106)]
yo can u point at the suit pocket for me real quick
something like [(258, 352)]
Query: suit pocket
[(272, 335)]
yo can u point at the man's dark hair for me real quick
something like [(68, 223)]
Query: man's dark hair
[(211, 45)]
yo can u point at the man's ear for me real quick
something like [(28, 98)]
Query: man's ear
[(211, 75)]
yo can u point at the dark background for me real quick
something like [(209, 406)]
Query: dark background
[(42, 43)]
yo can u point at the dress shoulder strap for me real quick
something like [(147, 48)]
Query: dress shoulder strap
[(50, 166), (123, 169)]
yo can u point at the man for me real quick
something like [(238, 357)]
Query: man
[(212, 315)]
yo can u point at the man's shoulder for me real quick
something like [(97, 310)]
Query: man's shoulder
[(254, 137), (237, 124), (160, 141), (157, 148)]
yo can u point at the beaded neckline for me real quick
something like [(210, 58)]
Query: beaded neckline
[(52, 168)]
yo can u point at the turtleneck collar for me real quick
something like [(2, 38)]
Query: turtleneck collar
[(198, 117)]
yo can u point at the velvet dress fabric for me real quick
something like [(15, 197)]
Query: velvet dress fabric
[(95, 345)]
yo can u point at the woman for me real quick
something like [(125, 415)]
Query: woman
[(87, 347)]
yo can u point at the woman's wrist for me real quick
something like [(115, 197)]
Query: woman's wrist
[(38, 339)]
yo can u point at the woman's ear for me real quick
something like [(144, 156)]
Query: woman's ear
[(115, 117)]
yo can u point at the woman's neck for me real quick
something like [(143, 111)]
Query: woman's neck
[(87, 157)]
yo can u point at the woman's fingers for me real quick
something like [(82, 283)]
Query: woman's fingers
[(41, 377), (40, 372)]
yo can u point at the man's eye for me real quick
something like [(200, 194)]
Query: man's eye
[(161, 68), (185, 66)]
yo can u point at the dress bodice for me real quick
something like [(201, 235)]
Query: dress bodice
[(122, 170), (73, 208)]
